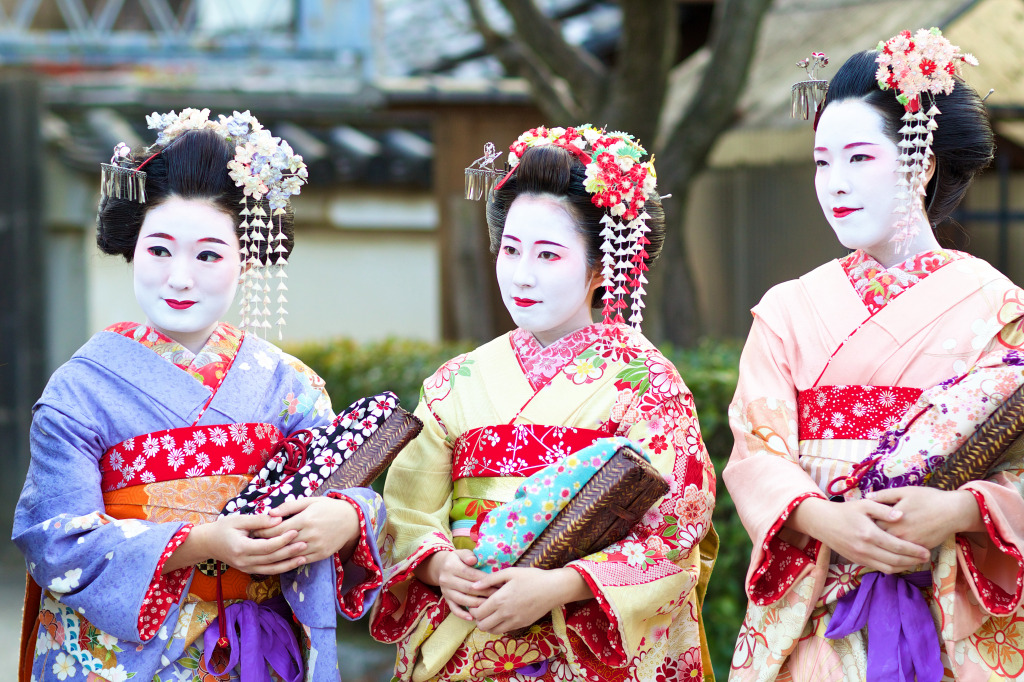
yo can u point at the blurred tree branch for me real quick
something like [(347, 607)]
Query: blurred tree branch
[(571, 86)]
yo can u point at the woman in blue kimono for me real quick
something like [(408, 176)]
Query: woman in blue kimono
[(141, 438)]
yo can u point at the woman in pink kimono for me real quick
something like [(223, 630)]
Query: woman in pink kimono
[(859, 571)]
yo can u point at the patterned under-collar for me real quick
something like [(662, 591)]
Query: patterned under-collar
[(207, 366), (877, 285), (541, 364)]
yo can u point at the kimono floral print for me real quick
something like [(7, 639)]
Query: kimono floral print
[(856, 380), (483, 414), (107, 499), (793, 589)]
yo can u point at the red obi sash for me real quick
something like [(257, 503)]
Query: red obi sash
[(188, 452), (516, 449), (189, 474), (852, 412)]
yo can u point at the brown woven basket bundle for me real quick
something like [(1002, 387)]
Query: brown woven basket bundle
[(375, 454), (999, 436), (602, 512)]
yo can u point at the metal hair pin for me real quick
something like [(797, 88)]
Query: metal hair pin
[(481, 175), (120, 178), (807, 95)]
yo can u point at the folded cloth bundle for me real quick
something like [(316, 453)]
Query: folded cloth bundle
[(349, 452), (575, 506)]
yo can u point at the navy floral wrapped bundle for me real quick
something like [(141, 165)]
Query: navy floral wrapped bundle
[(350, 452)]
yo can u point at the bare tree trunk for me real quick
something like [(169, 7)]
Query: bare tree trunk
[(673, 311)]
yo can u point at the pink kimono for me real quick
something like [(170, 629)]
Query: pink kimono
[(834, 360)]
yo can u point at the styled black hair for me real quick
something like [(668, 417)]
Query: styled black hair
[(963, 143), (551, 170), (192, 166)]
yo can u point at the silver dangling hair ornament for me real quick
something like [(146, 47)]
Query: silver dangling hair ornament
[(807, 95), (121, 179), (482, 176)]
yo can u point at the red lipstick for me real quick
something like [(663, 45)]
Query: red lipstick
[(843, 211), (179, 305), (524, 302)]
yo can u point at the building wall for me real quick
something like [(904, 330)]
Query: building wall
[(748, 229)]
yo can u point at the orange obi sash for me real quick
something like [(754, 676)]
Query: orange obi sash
[(852, 412), (189, 474)]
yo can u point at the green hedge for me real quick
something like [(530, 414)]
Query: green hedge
[(353, 370)]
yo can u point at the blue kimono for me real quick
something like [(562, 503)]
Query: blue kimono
[(134, 441)]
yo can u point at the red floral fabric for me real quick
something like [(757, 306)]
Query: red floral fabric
[(352, 601), (517, 449), (852, 412), (877, 285), (209, 366), (540, 364), (187, 452), (164, 590), (995, 598), (783, 563)]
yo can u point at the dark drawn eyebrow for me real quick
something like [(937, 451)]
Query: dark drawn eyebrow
[(849, 146)]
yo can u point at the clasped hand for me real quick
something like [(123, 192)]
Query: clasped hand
[(298, 532), (892, 530), (502, 601)]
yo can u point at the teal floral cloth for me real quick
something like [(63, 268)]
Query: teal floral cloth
[(509, 530)]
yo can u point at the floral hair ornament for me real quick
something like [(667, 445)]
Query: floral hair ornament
[(917, 67), (269, 173), (619, 181), (806, 96)]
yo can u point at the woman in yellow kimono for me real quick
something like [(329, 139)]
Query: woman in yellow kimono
[(577, 210), (860, 376)]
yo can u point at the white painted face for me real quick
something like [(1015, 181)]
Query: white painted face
[(542, 269), (856, 178), (186, 268)]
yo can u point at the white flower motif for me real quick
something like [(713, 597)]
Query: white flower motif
[(634, 552), (66, 584), (84, 522), (106, 640), (263, 360), (131, 527), (218, 436), (150, 446), (64, 666), (175, 458), (118, 674), (238, 432)]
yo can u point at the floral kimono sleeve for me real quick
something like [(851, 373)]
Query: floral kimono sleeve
[(943, 419), (763, 474), (418, 495), (644, 582), (101, 567)]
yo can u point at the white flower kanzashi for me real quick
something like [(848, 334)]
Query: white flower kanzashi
[(264, 165)]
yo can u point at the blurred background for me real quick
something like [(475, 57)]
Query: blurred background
[(388, 101)]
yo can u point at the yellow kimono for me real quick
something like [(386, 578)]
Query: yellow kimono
[(493, 417)]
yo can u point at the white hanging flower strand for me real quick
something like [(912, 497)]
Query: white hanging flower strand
[(917, 67), (265, 167)]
